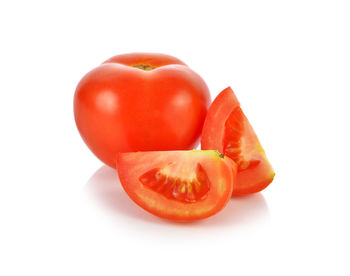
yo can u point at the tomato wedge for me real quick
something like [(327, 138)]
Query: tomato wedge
[(178, 185), (227, 130)]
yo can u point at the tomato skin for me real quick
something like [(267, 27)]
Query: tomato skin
[(157, 60), (120, 108), (221, 172), (249, 180)]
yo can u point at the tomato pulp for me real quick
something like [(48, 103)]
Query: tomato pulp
[(228, 130), (178, 185), (140, 102)]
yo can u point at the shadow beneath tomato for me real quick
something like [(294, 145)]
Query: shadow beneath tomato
[(241, 211), (104, 185)]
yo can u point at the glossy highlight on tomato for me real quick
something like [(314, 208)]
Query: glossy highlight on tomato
[(228, 130), (140, 102), (178, 185)]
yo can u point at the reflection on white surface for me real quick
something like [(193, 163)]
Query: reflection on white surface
[(104, 185)]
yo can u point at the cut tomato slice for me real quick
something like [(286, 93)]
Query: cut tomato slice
[(227, 130), (178, 185)]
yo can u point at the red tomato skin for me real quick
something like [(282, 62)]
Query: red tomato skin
[(119, 108), (157, 60)]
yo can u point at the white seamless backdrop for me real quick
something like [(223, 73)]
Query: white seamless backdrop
[(62, 212)]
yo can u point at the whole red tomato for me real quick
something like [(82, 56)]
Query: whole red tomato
[(140, 102)]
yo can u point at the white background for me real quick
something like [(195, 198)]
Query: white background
[(63, 213)]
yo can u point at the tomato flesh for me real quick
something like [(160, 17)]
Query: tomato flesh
[(228, 130), (178, 185), (174, 187), (239, 140)]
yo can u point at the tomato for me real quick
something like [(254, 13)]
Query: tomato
[(140, 102), (178, 185), (228, 130)]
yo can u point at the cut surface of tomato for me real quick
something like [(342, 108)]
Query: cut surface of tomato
[(178, 185), (228, 130)]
